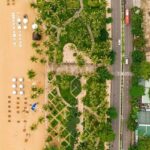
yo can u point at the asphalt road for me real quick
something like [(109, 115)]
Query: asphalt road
[(126, 137), (116, 69)]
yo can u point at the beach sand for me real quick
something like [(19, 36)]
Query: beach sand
[(14, 62)]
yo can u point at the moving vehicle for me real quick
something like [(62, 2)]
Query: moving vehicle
[(127, 17), (119, 42), (126, 61)]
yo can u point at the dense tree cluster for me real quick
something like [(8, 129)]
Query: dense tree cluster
[(53, 15), (140, 67), (60, 22), (143, 144), (99, 128), (137, 27)]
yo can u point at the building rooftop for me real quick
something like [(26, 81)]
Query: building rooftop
[(144, 123), (144, 118), (145, 97)]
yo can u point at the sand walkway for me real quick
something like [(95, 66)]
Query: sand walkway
[(72, 68), (16, 116)]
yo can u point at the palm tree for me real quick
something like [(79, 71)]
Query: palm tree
[(51, 147), (34, 59), (40, 91), (34, 96), (31, 74), (43, 61), (34, 88), (33, 5), (49, 139), (38, 30), (80, 60), (45, 107), (35, 44), (38, 21), (33, 126), (41, 119), (39, 51)]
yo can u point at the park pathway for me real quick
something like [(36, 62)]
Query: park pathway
[(71, 68), (81, 109)]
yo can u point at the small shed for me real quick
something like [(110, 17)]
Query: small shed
[(36, 36)]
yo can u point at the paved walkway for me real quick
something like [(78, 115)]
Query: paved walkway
[(72, 68)]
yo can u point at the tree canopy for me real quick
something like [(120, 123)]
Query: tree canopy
[(136, 91), (136, 21), (145, 70), (138, 56), (144, 143), (112, 113), (103, 74)]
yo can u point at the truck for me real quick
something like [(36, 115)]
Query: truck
[(127, 16)]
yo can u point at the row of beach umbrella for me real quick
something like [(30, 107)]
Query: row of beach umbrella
[(20, 86)]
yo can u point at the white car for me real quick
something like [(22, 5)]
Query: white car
[(119, 42), (126, 61)]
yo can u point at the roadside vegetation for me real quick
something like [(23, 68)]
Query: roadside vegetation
[(138, 61), (143, 144), (99, 126), (91, 36), (140, 69), (82, 23)]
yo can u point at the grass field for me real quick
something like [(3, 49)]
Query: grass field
[(73, 4), (75, 87), (91, 3), (64, 83)]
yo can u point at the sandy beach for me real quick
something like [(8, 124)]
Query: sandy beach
[(16, 115)]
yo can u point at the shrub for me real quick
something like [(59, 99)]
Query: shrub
[(112, 55), (109, 10), (31, 74), (103, 74), (109, 20), (50, 76), (136, 21), (80, 60)]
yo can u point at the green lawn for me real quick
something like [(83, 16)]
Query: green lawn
[(91, 3), (73, 4), (76, 87), (64, 83)]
